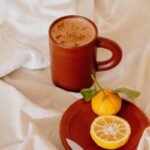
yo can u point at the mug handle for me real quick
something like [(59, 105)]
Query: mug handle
[(116, 54)]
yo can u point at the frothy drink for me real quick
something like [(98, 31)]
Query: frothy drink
[(73, 32)]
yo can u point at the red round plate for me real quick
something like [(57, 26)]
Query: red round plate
[(76, 121)]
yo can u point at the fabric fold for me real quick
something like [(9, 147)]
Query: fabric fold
[(21, 121)]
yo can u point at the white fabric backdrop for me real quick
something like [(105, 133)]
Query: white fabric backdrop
[(30, 105)]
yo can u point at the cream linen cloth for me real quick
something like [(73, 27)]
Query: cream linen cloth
[(30, 105)]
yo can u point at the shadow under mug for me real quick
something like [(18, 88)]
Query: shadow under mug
[(72, 66)]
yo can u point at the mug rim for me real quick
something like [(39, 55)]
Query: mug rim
[(72, 16)]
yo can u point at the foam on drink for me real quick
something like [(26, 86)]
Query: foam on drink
[(73, 32)]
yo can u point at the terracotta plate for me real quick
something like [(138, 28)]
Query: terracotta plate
[(76, 121)]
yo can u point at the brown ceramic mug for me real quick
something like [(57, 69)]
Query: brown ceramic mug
[(73, 42)]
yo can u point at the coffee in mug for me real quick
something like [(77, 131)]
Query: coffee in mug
[(73, 43)]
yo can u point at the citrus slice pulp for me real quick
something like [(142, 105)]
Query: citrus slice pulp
[(110, 131)]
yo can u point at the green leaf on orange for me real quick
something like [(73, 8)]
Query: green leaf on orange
[(130, 93), (88, 93)]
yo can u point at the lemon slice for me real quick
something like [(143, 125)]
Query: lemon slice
[(110, 131)]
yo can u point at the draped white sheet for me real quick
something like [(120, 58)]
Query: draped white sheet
[(30, 105)]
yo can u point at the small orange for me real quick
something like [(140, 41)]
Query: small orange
[(105, 102)]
